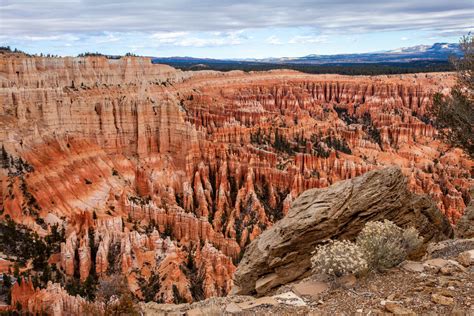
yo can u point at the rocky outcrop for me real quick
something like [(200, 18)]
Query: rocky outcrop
[(282, 253), (465, 225)]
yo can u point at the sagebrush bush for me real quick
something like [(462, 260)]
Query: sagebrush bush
[(385, 245), (338, 258)]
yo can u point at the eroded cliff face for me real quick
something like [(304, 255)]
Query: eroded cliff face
[(146, 166)]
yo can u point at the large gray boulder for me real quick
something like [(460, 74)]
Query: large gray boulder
[(282, 253)]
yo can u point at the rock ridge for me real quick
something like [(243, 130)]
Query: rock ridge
[(282, 253)]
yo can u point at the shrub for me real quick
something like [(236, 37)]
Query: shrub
[(115, 296), (338, 258), (385, 245)]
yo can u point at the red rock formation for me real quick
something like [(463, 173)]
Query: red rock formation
[(144, 164), (215, 270), (21, 292), (52, 300)]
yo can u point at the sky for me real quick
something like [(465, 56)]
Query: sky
[(230, 29)]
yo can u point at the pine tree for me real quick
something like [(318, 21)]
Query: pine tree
[(7, 281), (454, 114), (5, 160), (16, 271)]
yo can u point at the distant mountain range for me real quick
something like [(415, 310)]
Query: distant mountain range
[(435, 52)]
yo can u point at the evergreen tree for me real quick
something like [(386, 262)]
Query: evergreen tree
[(454, 114), (5, 160), (46, 276), (7, 281), (16, 270)]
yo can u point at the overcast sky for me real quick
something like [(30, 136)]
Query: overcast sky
[(230, 29)]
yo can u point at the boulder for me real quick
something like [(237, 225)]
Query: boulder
[(397, 309), (262, 301), (289, 298), (233, 308), (466, 258), (412, 266), (436, 264), (448, 248), (465, 225), (283, 252), (442, 300), (310, 288)]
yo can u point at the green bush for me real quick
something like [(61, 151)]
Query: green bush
[(385, 245), (379, 246)]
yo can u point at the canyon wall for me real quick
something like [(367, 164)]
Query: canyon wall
[(165, 175)]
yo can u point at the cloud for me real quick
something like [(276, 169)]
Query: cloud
[(273, 40), (210, 39), (52, 18), (308, 39), (404, 38), (64, 37), (205, 42), (105, 38), (167, 36)]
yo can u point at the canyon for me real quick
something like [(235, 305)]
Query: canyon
[(166, 176)]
